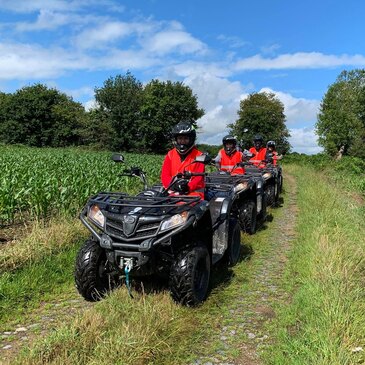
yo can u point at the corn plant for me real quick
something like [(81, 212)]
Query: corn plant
[(36, 183)]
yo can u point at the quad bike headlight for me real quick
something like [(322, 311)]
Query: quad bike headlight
[(240, 187), (174, 221), (96, 216), (266, 175)]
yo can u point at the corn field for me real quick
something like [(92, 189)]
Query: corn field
[(36, 183)]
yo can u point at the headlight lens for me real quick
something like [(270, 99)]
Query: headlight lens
[(96, 215), (240, 187), (174, 221), (266, 175)]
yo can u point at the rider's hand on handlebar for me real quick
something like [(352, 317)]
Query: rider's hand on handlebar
[(181, 186)]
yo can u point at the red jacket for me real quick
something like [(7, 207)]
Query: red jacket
[(274, 158), (227, 162), (172, 165), (259, 155)]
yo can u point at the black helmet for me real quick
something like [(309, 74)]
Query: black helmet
[(184, 129), (258, 141), (229, 139), (271, 144)]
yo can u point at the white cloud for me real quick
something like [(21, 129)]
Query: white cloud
[(169, 41), (124, 60), (300, 60), (51, 20), (232, 41), (46, 20), (270, 49), (304, 140), (80, 92), (27, 6), (297, 110), (90, 104), (220, 99), (195, 69), (23, 61), (101, 35)]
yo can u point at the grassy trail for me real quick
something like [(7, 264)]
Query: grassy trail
[(296, 297), (324, 322), (228, 326)]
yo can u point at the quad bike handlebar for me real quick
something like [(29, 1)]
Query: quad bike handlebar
[(136, 171)]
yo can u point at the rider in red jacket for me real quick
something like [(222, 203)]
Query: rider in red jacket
[(271, 148), (258, 150), (229, 156), (180, 158)]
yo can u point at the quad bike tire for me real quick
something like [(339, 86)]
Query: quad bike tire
[(276, 194), (263, 214), (248, 217), (91, 278), (280, 183), (270, 195), (189, 276), (234, 243)]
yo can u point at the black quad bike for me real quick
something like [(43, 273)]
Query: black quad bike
[(178, 237), (272, 177), (245, 192)]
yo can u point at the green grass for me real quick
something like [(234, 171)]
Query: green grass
[(349, 172), (325, 320), (151, 329), (321, 324), (23, 290)]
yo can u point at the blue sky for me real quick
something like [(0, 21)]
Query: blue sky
[(223, 50)]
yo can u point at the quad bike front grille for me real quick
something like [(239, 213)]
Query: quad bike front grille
[(115, 229)]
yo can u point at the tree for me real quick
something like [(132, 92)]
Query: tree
[(341, 120), (165, 104), (97, 130), (261, 113), (120, 100), (39, 116)]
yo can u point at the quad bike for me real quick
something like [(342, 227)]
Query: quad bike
[(177, 237), (272, 176), (245, 192)]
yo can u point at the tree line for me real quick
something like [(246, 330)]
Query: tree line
[(128, 116)]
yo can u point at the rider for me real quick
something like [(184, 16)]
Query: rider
[(228, 157), (258, 150), (271, 148), (180, 158)]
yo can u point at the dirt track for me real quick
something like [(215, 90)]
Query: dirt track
[(247, 320)]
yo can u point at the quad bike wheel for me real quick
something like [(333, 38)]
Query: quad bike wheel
[(234, 243), (189, 276), (91, 274), (270, 194), (247, 217)]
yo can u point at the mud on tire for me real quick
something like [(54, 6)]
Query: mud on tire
[(189, 276), (91, 278)]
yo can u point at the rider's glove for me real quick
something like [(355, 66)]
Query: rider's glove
[(247, 154), (181, 186)]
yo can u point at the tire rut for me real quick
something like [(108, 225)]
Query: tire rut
[(248, 316)]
